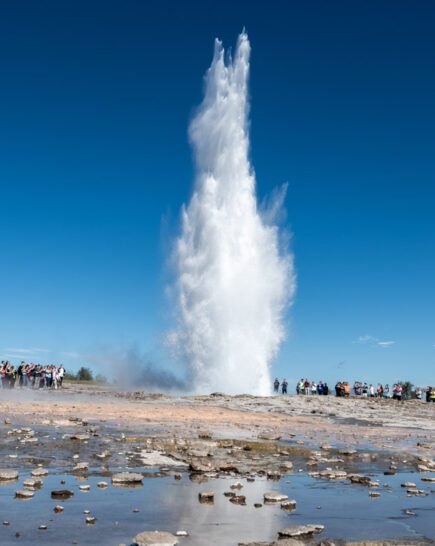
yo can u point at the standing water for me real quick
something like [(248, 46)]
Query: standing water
[(234, 280)]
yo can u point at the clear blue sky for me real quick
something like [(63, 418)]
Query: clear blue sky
[(95, 99)]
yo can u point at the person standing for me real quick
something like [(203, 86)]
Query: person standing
[(60, 375), (276, 386), (284, 385), (307, 386)]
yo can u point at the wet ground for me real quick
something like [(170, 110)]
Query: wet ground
[(261, 452), (347, 511)]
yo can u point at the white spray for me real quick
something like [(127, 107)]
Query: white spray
[(234, 282)]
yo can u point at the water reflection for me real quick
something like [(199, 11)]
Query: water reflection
[(169, 504)]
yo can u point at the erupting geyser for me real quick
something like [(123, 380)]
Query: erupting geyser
[(234, 280)]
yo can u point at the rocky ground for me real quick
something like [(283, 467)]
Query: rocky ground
[(126, 437)]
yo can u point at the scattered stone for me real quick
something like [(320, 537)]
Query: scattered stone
[(238, 499), (200, 453), (424, 468), (374, 494), (181, 534), (127, 478), (155, 538), (358, 478), (408, 485), (39, 472), (80, 437), (156, 458), (416, 492), (257, 505), (269, 437), (236, 485), (84, 487), (33, 483), (229, 467), (288, 505), (274, 496), (206, 496), (81, 467), (347, 452), (24, 494), (409, 513), (58, 508), (8, 474), (301, 531), (102, 485), (90, 520), (200, 467), (61, 494), (102, 455), (42, 527)]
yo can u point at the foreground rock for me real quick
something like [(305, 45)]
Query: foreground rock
[(206, 496), (127, 478), (24, 494), (155, 538), (61, 494), (38, 472), (274, 496), (8, 474), (301, 531)]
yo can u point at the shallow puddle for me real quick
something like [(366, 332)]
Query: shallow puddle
[(167, 504)]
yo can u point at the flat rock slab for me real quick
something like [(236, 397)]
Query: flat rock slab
[(39, 472), (81, 467), (274, 496), (82, 437), (301, 531), (24, 494), (33, 482), (155, 538), (8, 474), (155, 458), (199, 467), (127, 477)]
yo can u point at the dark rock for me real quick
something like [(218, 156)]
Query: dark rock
[(61, 494)]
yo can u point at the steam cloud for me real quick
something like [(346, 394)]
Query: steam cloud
[(233, 279)]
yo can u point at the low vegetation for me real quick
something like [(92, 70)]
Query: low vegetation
[(86, 375)]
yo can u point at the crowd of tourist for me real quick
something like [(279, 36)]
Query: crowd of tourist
[(359, 389), (33, 376), (302, 387)]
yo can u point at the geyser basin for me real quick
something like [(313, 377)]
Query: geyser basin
[(234, 280)]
